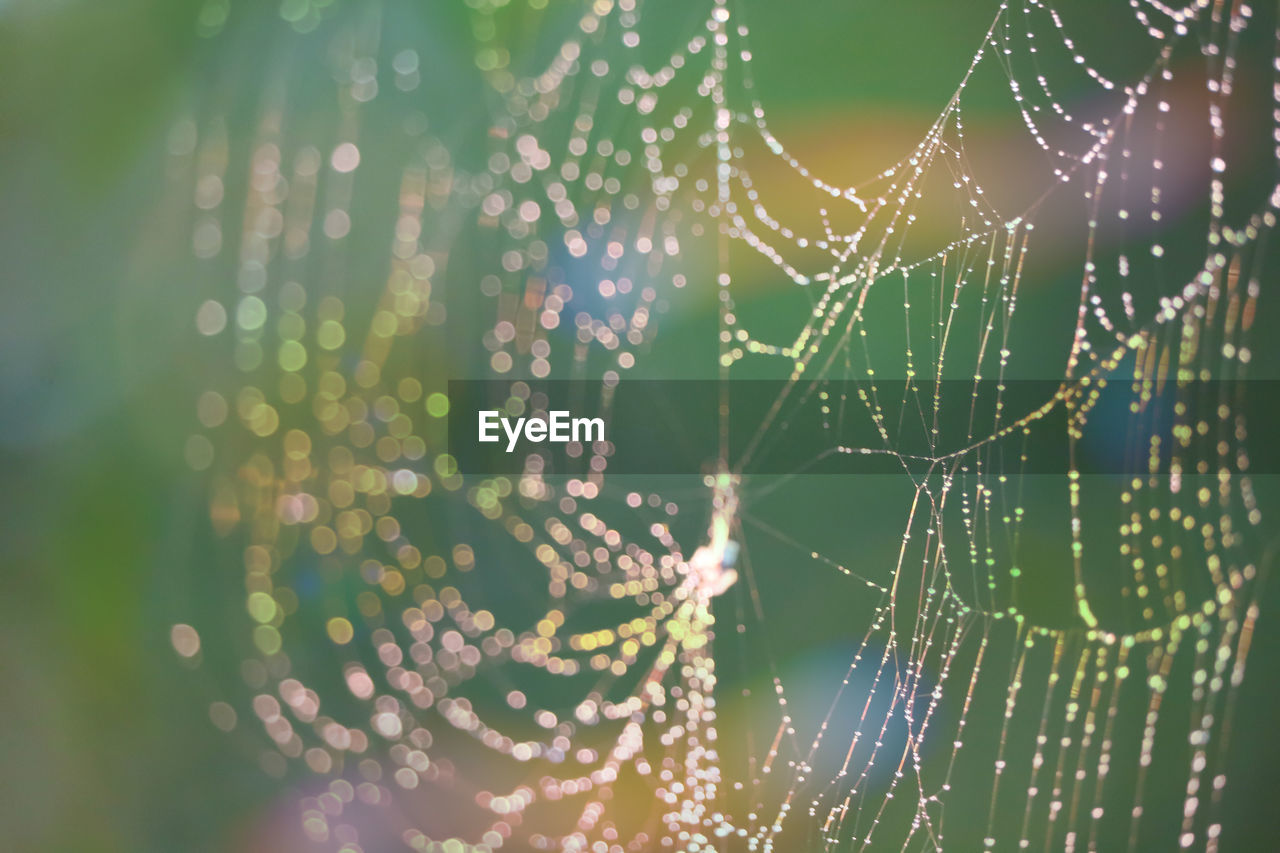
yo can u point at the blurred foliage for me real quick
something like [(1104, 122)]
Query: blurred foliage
[(106, 743)]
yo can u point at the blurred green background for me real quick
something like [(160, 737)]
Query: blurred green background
[(106, 740)]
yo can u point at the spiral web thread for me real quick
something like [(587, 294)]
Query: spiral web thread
[(400, 695)]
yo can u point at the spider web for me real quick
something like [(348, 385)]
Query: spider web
[(450, 663)]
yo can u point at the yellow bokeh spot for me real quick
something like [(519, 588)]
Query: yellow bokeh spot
[(323, 540), (267, 639), (446, 465), (340, 630), (409, 389), (437, 405), (434, 566), (261, 606), (331, 335), (292, 356)]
